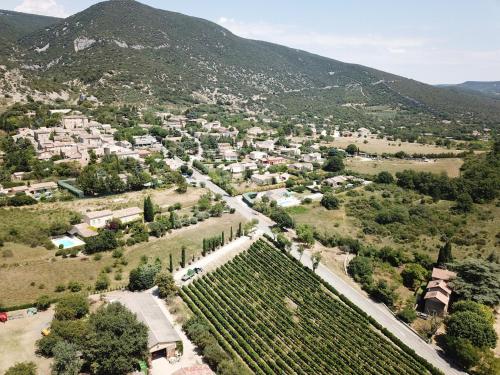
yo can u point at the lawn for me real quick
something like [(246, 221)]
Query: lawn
[(32, 272), (449, 166)]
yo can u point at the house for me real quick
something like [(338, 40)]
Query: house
[(230, 155), (335, 181), (437, 296), (265, 145), (436, 303), (128, 215), (301, 167), (274, 160), (82, 230), (257, 155), (144, 140), (313, 157), (75, 121), (440, 274), (98, 219), (254, 131), (363, 132), (265, 179), (42, 188), (163, 339)]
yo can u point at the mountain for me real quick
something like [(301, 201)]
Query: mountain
[(490, 88), (124, 51), (14, 25)]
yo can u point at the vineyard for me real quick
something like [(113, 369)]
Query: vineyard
[(279, 318)]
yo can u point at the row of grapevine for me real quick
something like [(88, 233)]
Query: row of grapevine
[(280, 318)]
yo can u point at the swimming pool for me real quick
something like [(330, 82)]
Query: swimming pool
[(67, 242)]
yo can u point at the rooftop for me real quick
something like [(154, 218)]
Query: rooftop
[(440, 274)]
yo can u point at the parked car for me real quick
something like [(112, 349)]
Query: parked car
[(198, 269)]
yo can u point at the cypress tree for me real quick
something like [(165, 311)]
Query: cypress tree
[(149, 211), (240, 231), (170, 264), (222, 239), (204, 250), (231, 234), (445, 255), (183, 257)]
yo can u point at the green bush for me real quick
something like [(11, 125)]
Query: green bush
[(42, 303)]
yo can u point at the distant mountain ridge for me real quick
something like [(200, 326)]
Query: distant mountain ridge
[(122, 50), (491, 88), (14, 25)]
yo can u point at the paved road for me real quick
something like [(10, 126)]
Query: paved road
[(379, 312)]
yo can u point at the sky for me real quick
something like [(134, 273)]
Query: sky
[(433, 41)]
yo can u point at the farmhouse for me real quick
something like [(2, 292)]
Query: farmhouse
[(265, 179), (98, 219), (437, 297), (144, 141), (128, 215), (163, 339)]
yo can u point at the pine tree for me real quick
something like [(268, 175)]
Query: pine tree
[(231, 234), (183, 257), (170, 264), (149, 211), (445, 255)]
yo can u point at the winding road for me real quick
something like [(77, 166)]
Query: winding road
[(378, 311)]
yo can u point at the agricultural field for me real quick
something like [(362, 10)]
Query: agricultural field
[(279, 317), (450, 166), (380, 146)]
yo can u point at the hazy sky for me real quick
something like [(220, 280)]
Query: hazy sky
[(434, 41)]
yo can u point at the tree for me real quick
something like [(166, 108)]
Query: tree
[(462, 351), (166, 285), (283, 242), (351, 149), (231, 234), (282, 218), (116, 341), (239, 233), (383, 292), (143, 277), (464, 203), (330, 201), (67, 360), (170, 263), (473, 327), (22, 368), (334, 164), (384, 178), (183, 256), (407, 314), (305, 234), (413, 275), (474, 307), (445, 255), (72, 306), (477, 280), (149, 210), (316, 259), (105, 240), (361, 270), (222, 239)]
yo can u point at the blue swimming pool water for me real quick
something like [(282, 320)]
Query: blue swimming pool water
[(67, 242)]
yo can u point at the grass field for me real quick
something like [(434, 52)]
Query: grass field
[(32, 272), (279, 318), (449, 166), (380, 146)]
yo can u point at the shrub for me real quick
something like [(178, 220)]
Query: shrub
[(22, 368), (384, 178), (407, 315), (74, 286), (105, 240), (72, 306), (42, 303), (102, 282), (330, 201)]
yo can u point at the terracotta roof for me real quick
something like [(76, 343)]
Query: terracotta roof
[(127, 212), (439, 284), (439, 296), (440, 274), (97, 214)]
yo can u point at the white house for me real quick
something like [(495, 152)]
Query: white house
[(257, 155), (128, 215), (98, 219)]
